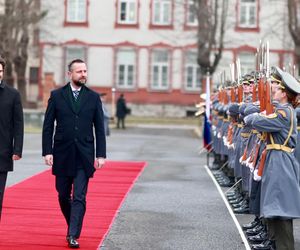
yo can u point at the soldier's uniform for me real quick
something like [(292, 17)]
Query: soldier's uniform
[(280, 191)]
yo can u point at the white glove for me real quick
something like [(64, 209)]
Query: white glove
[(256, 177), (241, 159)]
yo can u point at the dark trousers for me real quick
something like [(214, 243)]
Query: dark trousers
[(3, 177), (73, 207), (122, 121), (282, 232)]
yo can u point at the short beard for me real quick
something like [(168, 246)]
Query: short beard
[(79, 83)]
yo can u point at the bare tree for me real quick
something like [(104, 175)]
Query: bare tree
[(17, 26), (294, 26), (211, 16)]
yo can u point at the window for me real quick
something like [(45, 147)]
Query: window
[(247, 14), (76, 11), (161, 13), (247, 60), (160, 70), (33, 75), (192, 72), (127, 12), (126, 60), (191, 18)]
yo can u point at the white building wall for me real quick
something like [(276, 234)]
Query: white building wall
[(100, 66), (101, 37), (143, 69)]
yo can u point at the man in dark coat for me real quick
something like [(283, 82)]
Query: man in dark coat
[(11, 129), (77, 113), (122, 111)]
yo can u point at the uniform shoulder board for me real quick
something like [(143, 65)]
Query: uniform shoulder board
[(282, 112)]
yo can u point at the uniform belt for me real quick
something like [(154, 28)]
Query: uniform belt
[(226, 120), (298, 128), (280, 147), (245, 135), (220, 117), (240, 125), (254, 131)]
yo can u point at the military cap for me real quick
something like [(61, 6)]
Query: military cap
[(233, 109), (248, 79), (285, 80)]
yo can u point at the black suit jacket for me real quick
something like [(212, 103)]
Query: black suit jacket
[(11, 126), (73, 138)]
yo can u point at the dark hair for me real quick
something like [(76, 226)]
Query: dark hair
[(74, 61), (2, 62), (291, 97)]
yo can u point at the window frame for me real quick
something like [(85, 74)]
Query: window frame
[(248, 66), (160, 65), (127, 24), (161, 25), (195, 74), (135, 68), (240, 27), (83, 23), (188, 14)]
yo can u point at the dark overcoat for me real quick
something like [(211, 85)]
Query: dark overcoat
[(74, 131), (121, 108), (11, 126)]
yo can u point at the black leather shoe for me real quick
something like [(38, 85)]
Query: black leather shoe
[(251, 225), (234, 197), (266, 245), (259, 238), (226, 184), (73, 243), (244, 209), (255, 230), (237, 200), (240, 204), (230, 195)]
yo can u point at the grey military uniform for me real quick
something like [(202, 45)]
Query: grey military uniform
[(280, 191)]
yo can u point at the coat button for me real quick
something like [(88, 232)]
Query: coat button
[(76, 140), (76, 128)]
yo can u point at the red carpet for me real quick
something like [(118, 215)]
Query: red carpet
[(31, 217)]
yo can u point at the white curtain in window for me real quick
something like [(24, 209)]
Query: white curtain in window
[(126, 59), (76, 11), (162, 12)]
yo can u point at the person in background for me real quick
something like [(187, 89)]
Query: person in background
[(106, 116), (76, 112), (122, 111), (11, 129)]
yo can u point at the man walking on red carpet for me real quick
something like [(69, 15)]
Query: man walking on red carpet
[(11, 129), (76, 110)]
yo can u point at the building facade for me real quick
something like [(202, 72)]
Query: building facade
[(147, 49)]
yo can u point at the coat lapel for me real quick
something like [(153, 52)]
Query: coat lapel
[(84, 97), (65, 93)]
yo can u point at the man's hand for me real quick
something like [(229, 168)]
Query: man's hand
[(99, 163), (16, 157), (49, 160)]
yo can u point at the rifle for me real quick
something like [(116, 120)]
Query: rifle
[(268, 107)]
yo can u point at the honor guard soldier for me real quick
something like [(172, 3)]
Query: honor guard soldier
[(280, 190)]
